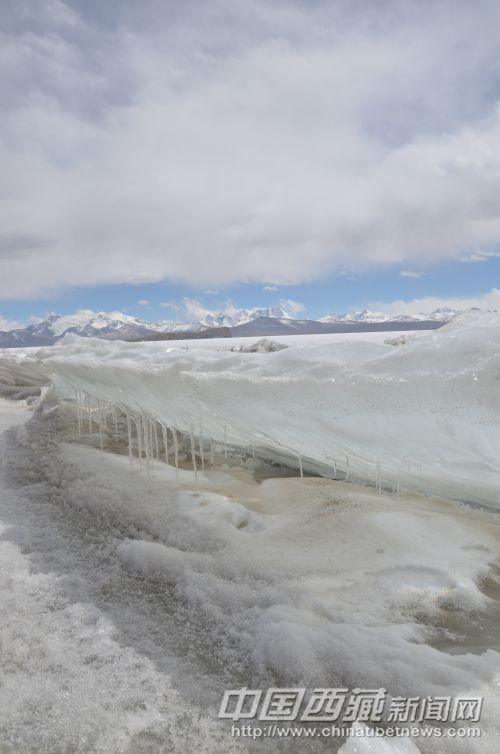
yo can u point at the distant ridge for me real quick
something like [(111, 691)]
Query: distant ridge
[(210, 332), (238, 323), (271, 326), (264, 326)]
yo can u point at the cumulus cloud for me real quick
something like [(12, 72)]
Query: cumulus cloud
[(478, 256), (195, 311), (265, 142), (270, 288), (143, 302), (291, 306), (8, 324), (489, 301)]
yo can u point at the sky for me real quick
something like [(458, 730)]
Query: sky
[(167, 158)]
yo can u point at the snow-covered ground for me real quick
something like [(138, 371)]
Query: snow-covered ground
[(330, 339), (130, 601), (127, 607)]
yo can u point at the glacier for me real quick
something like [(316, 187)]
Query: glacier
[(422, 417)]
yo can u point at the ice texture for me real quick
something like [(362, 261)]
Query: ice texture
[(424, 416)]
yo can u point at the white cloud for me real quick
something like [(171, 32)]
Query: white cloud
[(8, 324), (263, 142), (172, 304), (291, 306), (346, 274), (479, 256), (270, 288), (195, 311), (143, 302), (211, 292), (411, 274), (488, 301)]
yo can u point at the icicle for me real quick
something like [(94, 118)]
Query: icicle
[(129, 436), (379, 481), (164, 434), (253, 452), (147, 445), (176, 450), (347, 467), (211, 451), (300, 468), (176, 447), (100, 423), (152, 439), (200, 445), (89, 414), (157, 451), (225, 438), (193, 457), (146, 429), (79, 412), (149, 427), (138, 427), (335, 468)]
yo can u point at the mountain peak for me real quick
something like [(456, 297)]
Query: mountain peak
[(231, 316)]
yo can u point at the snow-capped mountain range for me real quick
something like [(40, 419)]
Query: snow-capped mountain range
[(232, 317), (257, 321), (438, 315)]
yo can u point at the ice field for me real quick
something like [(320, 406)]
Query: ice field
[(133, 592), (422, 416)]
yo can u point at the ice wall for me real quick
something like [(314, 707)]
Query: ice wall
[(423, 416)]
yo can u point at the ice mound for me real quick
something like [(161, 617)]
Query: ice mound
[(261, 346), (400, 340), (424, 417)]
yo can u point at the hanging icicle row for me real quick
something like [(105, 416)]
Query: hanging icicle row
[(148, 443)]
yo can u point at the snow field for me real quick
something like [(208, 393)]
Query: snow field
[(302, 582)]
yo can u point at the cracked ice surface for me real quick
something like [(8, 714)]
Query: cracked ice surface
[(424, 416)]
